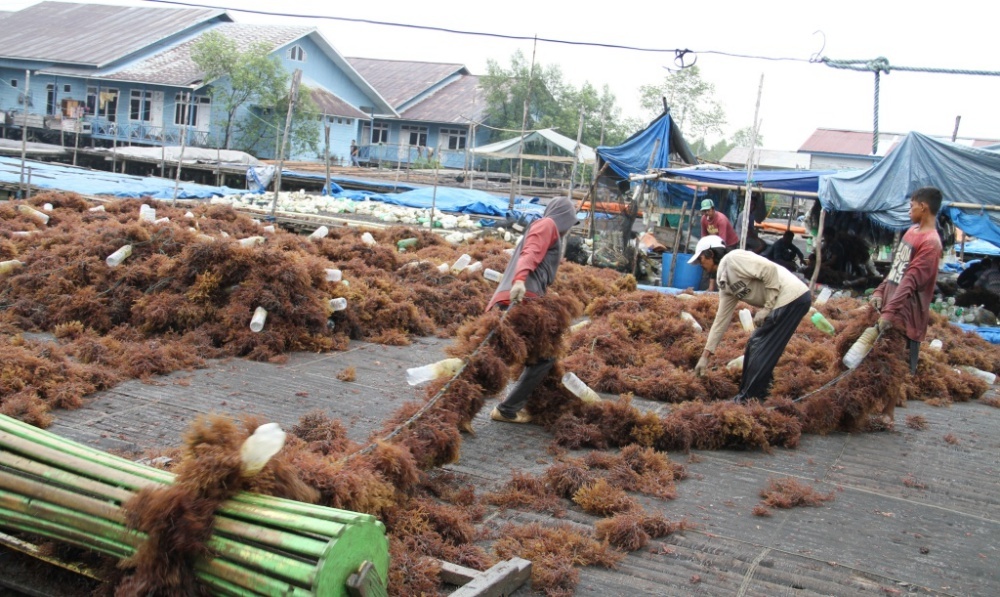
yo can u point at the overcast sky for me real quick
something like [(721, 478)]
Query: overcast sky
[(798, 97)]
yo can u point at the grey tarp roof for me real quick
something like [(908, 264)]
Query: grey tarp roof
[(964, 175), (548, 136)]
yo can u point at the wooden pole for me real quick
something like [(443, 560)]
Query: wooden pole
[(471, 167), (791, 213), (818, 245), (293, 96), (677, 241), (76, 143), (750, 168), (163, 157), (24, 128), (524, 125), (691, 219), (734, 187), (434, 193), (326, 153), (576, 154), (954, 134), (180, 157)]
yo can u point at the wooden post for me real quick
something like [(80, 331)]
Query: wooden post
[(434, 193), (691, 219), (28, 187), (791, 213), (818, 246), (961, 256), (163, 157), (576, 155), (76, 144), (326, 153), (293, 96), (524, 126), (24, 128), (677, 242), (187, 116), (218, 161), (747, 216)]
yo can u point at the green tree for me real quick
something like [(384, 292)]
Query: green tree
[(552, 103), (261, 132), (252, 77), (741, 138), (691, 102)]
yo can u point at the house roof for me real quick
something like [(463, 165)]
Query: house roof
[(547, 136), (859, 143), (459, 102), (400, 81), (332, 105), (92, 35), (770, 159), (174, 66)]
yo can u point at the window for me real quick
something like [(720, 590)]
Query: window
[(67, 88), (186, 110), (50, 99), (413, 135), (348, 121), (453, 138), (140, 105), (13, 83), (380, 133), (297, 54), (91, 103)]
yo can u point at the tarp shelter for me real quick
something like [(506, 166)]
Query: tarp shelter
[(565, 148), (964, 174), (804, 181), (632, 156)]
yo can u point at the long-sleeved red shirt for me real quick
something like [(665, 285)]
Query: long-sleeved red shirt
[(541, 236), (908, 289), (719, 224)]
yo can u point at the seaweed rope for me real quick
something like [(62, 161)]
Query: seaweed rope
[(835, 379), (430, 403)]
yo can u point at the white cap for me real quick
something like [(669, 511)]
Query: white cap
[(711, 241)]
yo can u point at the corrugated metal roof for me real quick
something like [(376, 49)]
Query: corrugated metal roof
[(174, 66), (768, 159), (399, 81), (332, 105), (859, 143), (460, 102), (92, 34)]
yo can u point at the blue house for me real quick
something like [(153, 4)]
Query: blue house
[(124, 75), (438, 109)]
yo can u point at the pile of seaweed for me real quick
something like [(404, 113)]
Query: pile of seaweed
[(189, 289), (188, 292)]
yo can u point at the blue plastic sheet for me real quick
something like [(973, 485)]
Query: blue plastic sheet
[(60, 177), (964, 175), (791, 180), (990, 334), (632, 156), (468, 201)]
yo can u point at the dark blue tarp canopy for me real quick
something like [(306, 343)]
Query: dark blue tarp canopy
[(632, 156), (806, 181), (964, 175)]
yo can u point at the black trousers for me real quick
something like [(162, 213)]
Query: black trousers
[(765, 346), (524, 386)]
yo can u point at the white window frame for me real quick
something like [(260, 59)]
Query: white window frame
[(413, 132), (296, 53), (380, 133), (453, 138), (144, 97)]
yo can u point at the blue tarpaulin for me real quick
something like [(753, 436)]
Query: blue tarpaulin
[(632, 156), (964, 175), (468, 201), (60, 177), (791, 180)]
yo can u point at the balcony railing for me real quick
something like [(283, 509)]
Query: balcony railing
[(140, 132), (385, 153)]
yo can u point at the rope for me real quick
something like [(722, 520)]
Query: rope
[(423, 409), (881, 64), (832, 381)]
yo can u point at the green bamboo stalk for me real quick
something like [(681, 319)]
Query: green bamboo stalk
[(240, 576)]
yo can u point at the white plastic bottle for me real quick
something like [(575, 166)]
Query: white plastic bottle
[(824, 295), (580, 390), (492, 275), (691, 320), (418, 375), (443, 268), (319, 233), (268, 229), (368, 239), (266, 441), (97, 208), (8, 266), (461, 263), (860, 348), (252, 241), (338, 304), (475, 267), (147, 213), (115, 259), (736, 365), (334, 275), (34, 213), (936, 344), (986, 376), (746, 320), (579, 325), (259, 317)]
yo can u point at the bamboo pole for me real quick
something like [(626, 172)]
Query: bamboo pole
[(576, 155), (691, 219), (747, 216), (180, 157), (818, 246), (24, 128), (326, 153), (293, 96), (731, 187)]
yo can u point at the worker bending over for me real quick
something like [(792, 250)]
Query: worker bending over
[(531, 269), (782, 301)]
